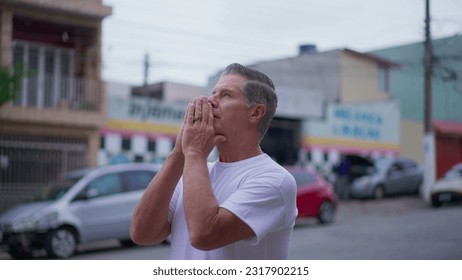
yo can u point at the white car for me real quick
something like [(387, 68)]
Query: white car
[(448, 188), (83, 206)]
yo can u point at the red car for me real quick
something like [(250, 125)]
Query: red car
[(315, 195)]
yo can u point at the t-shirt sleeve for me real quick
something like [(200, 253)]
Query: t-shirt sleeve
[(174, 201), (265, 203)]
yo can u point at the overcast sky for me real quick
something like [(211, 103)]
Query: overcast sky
[(189, 40)]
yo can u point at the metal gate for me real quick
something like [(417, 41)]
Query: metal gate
[(26, 163)]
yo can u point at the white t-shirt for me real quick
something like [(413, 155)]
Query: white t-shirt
[(258, 191)]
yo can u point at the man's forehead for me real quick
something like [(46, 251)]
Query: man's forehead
[(230, 81)]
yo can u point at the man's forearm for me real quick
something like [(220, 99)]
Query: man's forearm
[(200, 205), (149, 223)]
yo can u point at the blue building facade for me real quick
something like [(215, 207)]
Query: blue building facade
[(407, 87)]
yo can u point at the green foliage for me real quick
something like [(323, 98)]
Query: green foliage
[(10, 83)]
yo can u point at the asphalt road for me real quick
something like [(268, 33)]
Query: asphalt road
[(399, 228), (392, 229)]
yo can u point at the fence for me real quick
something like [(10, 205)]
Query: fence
[(69, 92), (26, 163)]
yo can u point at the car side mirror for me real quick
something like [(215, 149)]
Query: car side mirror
[(86, 194)]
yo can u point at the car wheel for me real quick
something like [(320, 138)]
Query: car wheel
[(379, 192), (61, 243), (19, 253), (127, 243), (436, 203), (418, 187), (326, 212)]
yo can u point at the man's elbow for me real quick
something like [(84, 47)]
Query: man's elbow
[(144, 238), (202, 241), (137, 237)]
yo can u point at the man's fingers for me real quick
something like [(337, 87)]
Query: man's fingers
[(190, 114), (198, 110), (210, 113)]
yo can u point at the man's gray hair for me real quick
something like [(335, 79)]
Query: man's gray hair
[(258, 89)]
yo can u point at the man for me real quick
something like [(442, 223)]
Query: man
[(343, 180), (241, 207)]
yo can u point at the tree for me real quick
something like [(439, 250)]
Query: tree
[(10, 83)]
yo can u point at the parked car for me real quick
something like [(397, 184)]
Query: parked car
[(315, 195), (349, 168), (83, 206), (448, 188), (388, 176)]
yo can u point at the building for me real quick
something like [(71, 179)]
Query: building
[(53, 125), (330, 103), (408, 89), (169, 92), (142, 122)]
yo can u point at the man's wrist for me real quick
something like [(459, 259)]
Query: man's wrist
[(195, 155), (175, 155)]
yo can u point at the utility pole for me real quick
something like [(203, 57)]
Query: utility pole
[(145, 89), (146, 69), (429, 140)]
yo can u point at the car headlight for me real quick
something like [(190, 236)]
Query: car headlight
[(26, 224), (33, 223)]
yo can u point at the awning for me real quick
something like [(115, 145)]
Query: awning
[(447, 127)]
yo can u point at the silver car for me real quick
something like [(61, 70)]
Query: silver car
[(388, 176), (83, 206)]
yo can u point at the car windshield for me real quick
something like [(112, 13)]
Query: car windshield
[(453, 174), (382, 164), (55, 189)]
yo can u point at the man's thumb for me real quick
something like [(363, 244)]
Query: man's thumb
[(219, 139)]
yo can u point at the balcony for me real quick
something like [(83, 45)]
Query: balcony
[(59, 100)]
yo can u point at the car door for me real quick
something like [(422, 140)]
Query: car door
[(100, 209), (134, 182), (394, 178), (308, 199), (413, 176)]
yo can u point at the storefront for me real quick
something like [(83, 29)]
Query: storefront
[(369, 129), (138, 129)]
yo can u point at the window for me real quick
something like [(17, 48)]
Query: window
[(151, 146), (102, 142), (406, 165), (396, 167), (105, 185), (384, 79), (137, 180), (138, 158), (50, 69), (303, 178), (126, 144)]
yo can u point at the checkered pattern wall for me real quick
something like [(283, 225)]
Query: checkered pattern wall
[(118, 147)]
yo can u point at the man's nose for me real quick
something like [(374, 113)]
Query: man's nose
[(212, 101)]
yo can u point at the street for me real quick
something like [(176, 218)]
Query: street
[(398, 228)]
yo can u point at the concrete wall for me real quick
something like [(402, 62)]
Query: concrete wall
[(411, 142), (359, 80), (6, 30), (90, 8), (183, 93)]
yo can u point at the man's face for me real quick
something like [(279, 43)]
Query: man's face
[(230, 109)]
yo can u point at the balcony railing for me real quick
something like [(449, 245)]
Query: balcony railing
[(60, 92)]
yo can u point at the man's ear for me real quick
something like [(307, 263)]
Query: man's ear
[(257, 112)]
